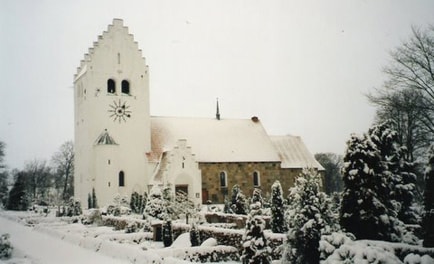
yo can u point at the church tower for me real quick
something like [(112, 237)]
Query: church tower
[(112, 120)]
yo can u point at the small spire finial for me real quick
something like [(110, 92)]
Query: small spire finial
[(217, 115)]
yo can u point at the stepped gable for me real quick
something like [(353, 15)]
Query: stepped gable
[(117, 25)]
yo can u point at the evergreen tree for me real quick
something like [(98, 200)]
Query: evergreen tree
[(428, 198), (194, 236), (397, 172), (406, 192), (94, 200), (89, 201), (366, 209), (144, 201), (74, 207), (3, 176), (18, 195), (308, 217), (362, 207), (167, 233), (136, 202), (169, 202), (255, 245), (235, 191), (241, 204), (256, 196), (277, 211), (227, 209), (155, 204)]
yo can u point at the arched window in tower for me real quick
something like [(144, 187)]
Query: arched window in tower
[(111, 86), (125, 87), (256, 179), (121, 179), (223, 179)]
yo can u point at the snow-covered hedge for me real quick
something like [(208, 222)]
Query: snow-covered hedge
[(5, 247), (345, 250), (238, 220), (128, 224)]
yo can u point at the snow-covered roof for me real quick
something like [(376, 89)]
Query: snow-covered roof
[(212, 140), (294, 153)]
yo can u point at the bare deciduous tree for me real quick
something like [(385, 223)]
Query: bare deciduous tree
[(39, 179), (407, 97), (63, 163)]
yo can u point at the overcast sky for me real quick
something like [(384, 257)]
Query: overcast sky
[(302, 67)]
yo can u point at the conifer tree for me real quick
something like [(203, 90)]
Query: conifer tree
[(89, 201), (136, 202), (167, 233), (94, 200), (155, 204), (18, 195), (396, 171), (307, 215), (255, 245), (235, 191), (405, 192), (256, 196), (194, 236), (144, 201), (277, 222), (428, 199), (366, 210), (239, 203)]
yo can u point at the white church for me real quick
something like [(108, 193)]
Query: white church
[(120, 148)]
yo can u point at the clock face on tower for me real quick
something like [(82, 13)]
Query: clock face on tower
[(119, 111)]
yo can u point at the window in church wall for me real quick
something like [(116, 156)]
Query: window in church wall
[(125, 87), (223, 179), (111, 86), (256, 179), (121, 179)]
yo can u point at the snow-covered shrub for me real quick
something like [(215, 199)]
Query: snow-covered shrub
[(277, 222), (329, 243), (73, 208), (417, 259), (257, 196), (183, 206), (155, 204), (167, 233), (210, 242), (255, 246), (227, 207), (136, 203), (360, 253), (238, 202), (119, 206), (132, 227), (5, 247), (308, 216), (194, 236), (216, 254), (93, 217)]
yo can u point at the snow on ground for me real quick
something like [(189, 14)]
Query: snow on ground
[(40, 239), (43, 240), (39, 248)]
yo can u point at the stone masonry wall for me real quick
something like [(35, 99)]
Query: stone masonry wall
[(241, 173)]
